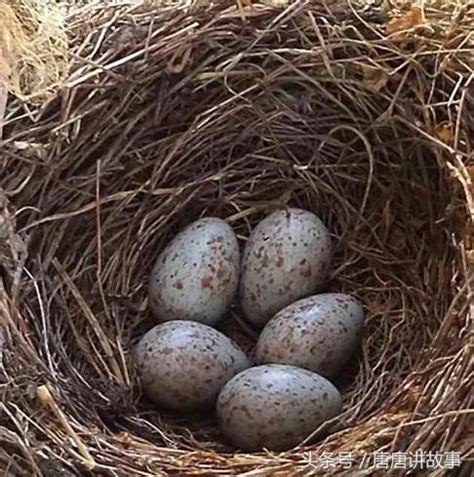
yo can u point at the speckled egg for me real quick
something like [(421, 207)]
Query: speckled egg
[(275, 407), (319, 333), (196, 276), (182, 365), (286, 258)]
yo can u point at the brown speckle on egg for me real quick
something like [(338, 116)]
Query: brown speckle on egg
[(206, 282), (178, 284)]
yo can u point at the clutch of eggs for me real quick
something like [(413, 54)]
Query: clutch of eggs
[(185, 365)]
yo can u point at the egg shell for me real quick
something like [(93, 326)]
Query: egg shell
[(196, 276), (287, 257), (275, 407), (182, 365), (319, 333)]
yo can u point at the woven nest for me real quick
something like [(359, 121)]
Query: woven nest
[(169, 114)]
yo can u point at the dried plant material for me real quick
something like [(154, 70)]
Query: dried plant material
[(45, 397), (276, 3), (12, 247), (444, 131), (5, 69), (270, 113), (4, 74), (401, 4), (3, 340), (411, 19), (470, 258), (3, 101), (374, 78), (179, 60), (33, 46), (470, 170)]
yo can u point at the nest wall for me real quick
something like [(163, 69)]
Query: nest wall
[(173, 114)]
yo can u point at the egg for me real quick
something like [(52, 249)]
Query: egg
[(275, 407), (319, 333), (287, 257), (182, 365), (196, 275)]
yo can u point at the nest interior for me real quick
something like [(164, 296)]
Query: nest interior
[(173, 114)]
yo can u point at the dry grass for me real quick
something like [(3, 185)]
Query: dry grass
[(171, 114), (33, 48)]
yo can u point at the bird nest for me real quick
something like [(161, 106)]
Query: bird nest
[(234, 110)]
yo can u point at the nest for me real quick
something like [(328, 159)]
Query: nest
[(169, 114)]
